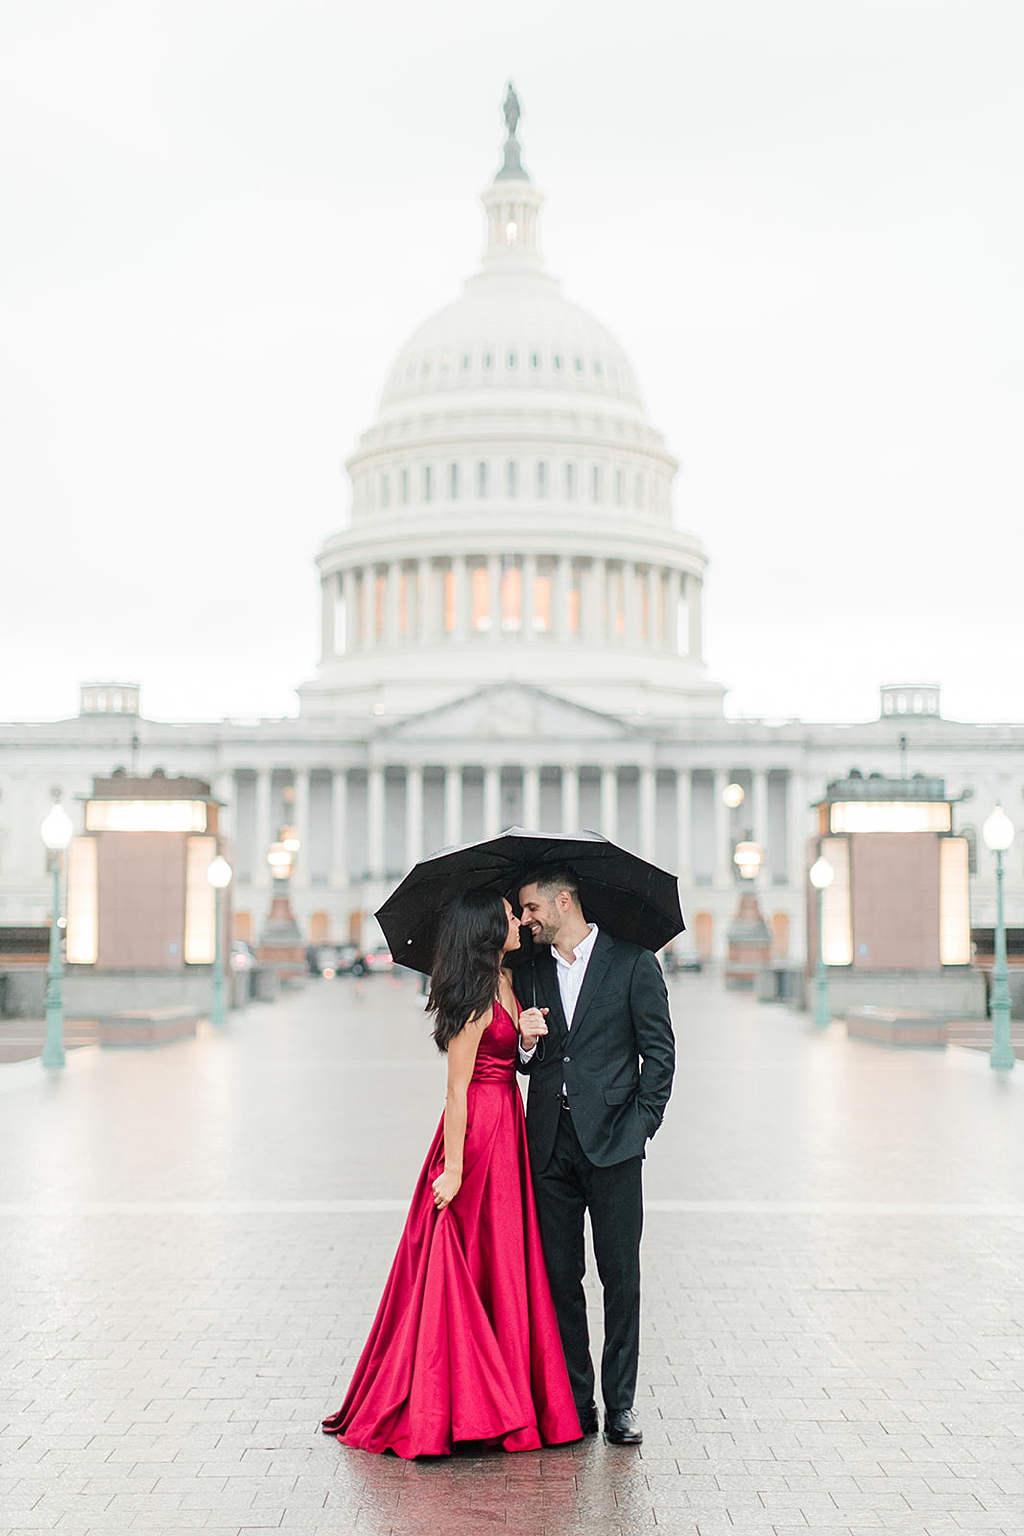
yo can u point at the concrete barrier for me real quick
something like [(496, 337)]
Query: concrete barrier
[(148, 1026), (900, 1028)]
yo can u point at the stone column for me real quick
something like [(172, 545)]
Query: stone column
[(462, 613), (339, 815), (375, 821), (684, 823), (351, 611), (263, 833), (413, 815), (610, 803), (648, 788), (695, 594), (597, 615), (492, 800), (631, 603), (391, 635), (560, 600), (528, 594), (224, 790), (723, 831), (799, 827), (675, 592), (424, 630), (570, 797), (328, 592), (654, 638), (531, 798), (494, 597), (452, 804), (300, 821), (759, 810)]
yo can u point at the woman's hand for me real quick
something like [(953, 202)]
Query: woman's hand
[(531, 1027), (446, 1186)]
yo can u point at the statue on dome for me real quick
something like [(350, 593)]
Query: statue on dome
[(511, 110), (512, 165)]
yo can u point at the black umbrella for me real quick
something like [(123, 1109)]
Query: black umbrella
[(619, 892)]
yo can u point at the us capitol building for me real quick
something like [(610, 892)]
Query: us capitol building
[(511, 633)]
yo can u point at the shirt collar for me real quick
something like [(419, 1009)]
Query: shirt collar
[(582, 950)]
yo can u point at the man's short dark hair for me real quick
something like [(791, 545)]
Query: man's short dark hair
[(554, 878)]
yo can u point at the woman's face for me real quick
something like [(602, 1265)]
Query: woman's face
[(513, 940)]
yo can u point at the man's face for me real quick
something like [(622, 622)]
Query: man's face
[(542, 914)]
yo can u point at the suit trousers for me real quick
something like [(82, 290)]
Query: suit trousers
[(570, 1185)]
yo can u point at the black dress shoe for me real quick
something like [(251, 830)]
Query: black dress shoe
[(623, 1428), (588, 1419)]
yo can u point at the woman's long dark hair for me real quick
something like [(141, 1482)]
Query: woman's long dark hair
[(467, 962)]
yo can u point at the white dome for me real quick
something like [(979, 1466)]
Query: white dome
[(511, 331)]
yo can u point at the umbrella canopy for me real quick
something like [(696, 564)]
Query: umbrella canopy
[(619, 892)]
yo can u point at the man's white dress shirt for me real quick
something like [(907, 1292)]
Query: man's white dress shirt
[(570, 975)]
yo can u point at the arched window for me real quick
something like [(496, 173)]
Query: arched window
[(481, 480), (428, 482), (512, 478), (453, 481), (542, 479)]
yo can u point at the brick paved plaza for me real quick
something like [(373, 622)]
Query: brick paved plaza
[(194, 1240)]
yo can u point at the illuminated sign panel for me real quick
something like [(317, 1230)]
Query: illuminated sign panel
[(954, 902), (836, 918), (145, 816), (200, 900), (890, 816), (82, 937)]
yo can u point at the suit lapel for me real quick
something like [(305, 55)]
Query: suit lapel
[(598, 964)]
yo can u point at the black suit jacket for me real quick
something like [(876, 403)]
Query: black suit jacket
[(616, 1062)]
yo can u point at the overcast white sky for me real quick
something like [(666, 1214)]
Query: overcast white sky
[(222, 218)]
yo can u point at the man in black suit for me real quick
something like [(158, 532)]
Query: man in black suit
[(599, 1084)]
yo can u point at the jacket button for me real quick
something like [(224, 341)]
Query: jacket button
[(567, 1058)]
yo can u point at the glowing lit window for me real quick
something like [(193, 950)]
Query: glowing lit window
[(481, 599), (200, 899), (954, 902), (836, 923), (573, 610), (511, 598), (890, 816), (449, 602), (145, 816), (82, 934), (380, 604), (542, 604), (403, 603)]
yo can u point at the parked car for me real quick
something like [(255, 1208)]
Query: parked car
[(379, 959), (681, 957), (349, 960), (242, 957)]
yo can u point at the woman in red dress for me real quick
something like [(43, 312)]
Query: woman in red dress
[(465, 1345)]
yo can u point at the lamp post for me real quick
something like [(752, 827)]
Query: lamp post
[(998, 834), (57, 831), (219, 875), (821, 875)]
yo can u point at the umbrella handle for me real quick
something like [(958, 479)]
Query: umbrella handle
[(533, 977)]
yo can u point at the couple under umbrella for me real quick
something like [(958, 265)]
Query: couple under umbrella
[(481, 1334)]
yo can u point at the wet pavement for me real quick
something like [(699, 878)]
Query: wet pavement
[(194, 1240)]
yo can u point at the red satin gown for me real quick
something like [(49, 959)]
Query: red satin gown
[(465, 1344)]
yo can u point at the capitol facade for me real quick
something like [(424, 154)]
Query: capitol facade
[(512, 633)]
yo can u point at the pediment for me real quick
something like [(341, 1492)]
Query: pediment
[(509, 712)]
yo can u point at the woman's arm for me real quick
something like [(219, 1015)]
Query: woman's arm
[(461, 1061)]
